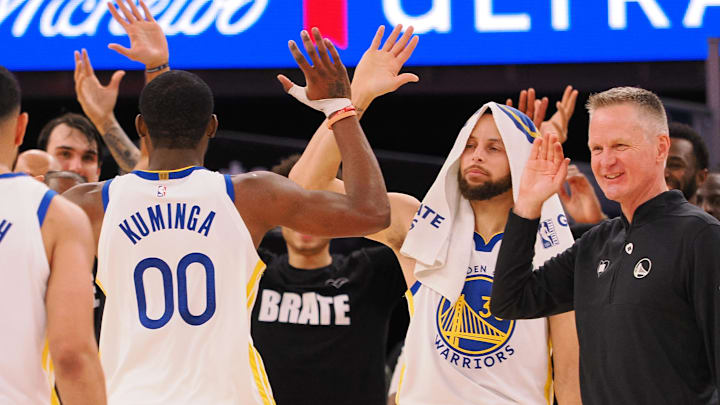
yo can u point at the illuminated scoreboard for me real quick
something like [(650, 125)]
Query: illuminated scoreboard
[(226, 34)]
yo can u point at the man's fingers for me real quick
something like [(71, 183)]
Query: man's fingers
[(375, 45), (334, 53), (508, 102), (404, 79), (87, 66), (116, 15), (148, 14), (135, 11), (522, 101), (286, 83), (404, 39), (408, 50), (540, 111), (299, 58), (116, 78), (309, 48), (78, 66), (321, 48), (536, 150), (390, 41), (570, 105), (120, 49), (562, 172), (557, 153), (530, 102), (126, 12)]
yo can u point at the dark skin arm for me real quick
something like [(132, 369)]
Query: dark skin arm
[(268, 200)]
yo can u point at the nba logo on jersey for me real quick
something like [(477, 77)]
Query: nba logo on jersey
[(547, 234), (161, 191)]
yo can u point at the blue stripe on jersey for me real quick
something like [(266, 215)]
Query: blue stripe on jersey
[(480, 244), (166, 174), (415, 287), (11, 175), (106, 194), (44, 204), (229, 187)]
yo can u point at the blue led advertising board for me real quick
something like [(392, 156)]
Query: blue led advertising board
[(222, 34)]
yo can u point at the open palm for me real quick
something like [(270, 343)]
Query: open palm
[(148, 44), (377, 72), (544, 173), (96, 100)]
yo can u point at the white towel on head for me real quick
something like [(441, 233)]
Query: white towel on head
[(441, 237)]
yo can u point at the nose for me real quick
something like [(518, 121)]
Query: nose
[(75, 166), (478, 154)]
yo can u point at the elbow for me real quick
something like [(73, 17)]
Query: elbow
[(502, 309), (375, 218), (72, 363)]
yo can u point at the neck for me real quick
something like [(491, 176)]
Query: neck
[(652, 190), (312, 261), (172, 159), (491, 215)]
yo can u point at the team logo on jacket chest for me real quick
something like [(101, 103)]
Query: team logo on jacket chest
[(469, 335), (642, 268)]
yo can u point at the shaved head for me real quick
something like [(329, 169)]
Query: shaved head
[(36, 162)]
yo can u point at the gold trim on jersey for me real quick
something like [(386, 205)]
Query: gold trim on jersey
[(99, 284), (260, 377), (549, 382), (410, 302), (252, 286), (167, 171), (47, 366), (400, 381)]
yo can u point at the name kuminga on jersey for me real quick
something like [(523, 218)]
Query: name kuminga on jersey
[(4, 228), (469, 336), (173, 216)]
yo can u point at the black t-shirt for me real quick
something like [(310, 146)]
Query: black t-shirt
[(322, 332)]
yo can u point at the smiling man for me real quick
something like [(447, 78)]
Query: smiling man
[(644, 286)]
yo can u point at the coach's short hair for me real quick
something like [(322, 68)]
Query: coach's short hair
[(177, 107), (645, 100), (9, 94)]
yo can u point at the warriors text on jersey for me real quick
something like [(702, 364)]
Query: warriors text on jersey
[(24, 273), (180, 273), (460, 353)]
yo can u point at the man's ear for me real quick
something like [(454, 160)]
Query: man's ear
[(21, 127), (701, 176), (212, 127), (663, 147), (141, 127)]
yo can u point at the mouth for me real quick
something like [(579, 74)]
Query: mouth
[(613, 176), (476, 171)]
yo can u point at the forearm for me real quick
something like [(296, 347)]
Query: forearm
[(318, 166), (520, 293), (364, 183), (125, 153), (80, 379), (566, 358)]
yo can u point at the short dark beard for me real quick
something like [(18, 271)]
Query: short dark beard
[(484, 191), (690, 188)]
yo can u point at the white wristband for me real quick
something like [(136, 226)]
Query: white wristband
[(326, 105)]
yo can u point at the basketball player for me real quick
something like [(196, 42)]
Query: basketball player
[(177, 243), (45, 261), (517, 372)]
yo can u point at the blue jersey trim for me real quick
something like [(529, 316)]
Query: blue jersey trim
[(11, 175), (482, 246), (415, 287), (44, 204), (106, 194), (229, 187), (166, 174)]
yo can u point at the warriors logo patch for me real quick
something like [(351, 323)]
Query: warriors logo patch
[(604, 264), (467, 326), (642, 268)]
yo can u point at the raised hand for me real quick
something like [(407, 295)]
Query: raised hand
[(148, 44), (377, 72), (325, 78), (96, 100), (530, 106), (544, 173), (559, 121), (581, 203)]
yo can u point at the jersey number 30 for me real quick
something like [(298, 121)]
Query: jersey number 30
[(167, 277)]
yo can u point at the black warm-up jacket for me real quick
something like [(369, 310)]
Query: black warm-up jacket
[(646, 297)]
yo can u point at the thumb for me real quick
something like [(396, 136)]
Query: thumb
[(120, 49), (286, 83), (404, 79), (116, 78)]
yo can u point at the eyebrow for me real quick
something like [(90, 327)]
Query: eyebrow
[(65, 147)]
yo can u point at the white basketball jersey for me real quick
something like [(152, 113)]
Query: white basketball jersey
[(24, 273), (459, 353), (180, 273)]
